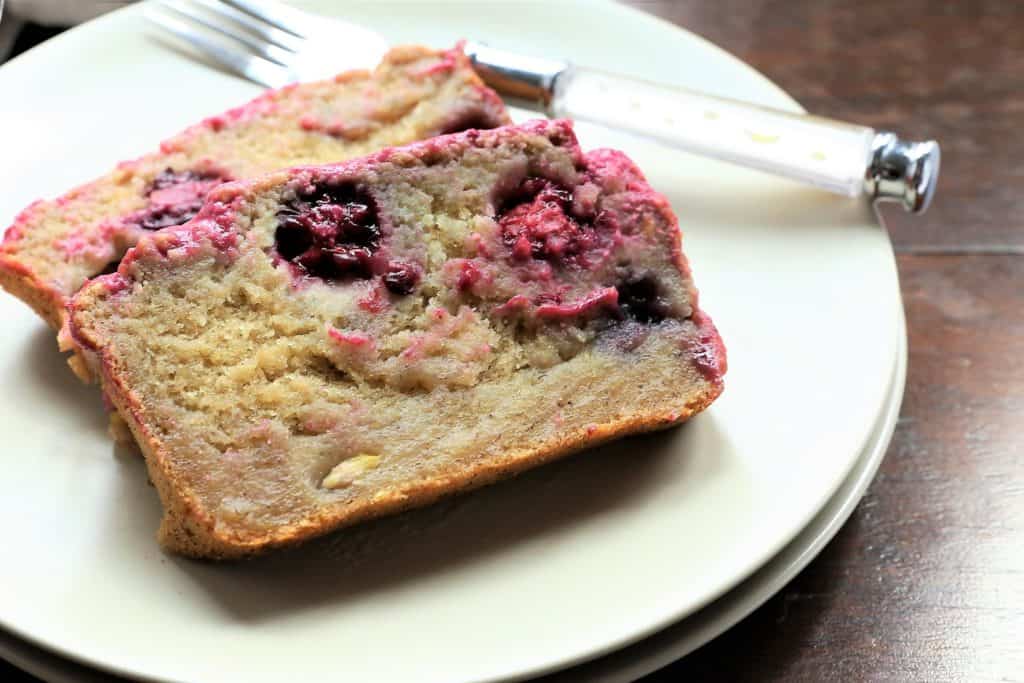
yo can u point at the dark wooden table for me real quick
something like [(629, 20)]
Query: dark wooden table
[(926, 581)]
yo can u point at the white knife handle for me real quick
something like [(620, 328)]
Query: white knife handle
[(840, 157), (828, 154)]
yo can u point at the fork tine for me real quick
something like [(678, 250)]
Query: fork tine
[(248, 66), (261, 49), (259, 28), (274, 13)]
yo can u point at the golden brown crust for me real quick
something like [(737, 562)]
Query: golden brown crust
[(189, 530), (44, 300)]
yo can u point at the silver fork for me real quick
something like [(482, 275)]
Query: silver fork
[(266, 41)]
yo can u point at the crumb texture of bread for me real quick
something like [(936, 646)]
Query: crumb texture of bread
[(53, 247), (326, 344)]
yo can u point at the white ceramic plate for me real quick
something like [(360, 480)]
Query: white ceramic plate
[(563, 564), (668, 645)]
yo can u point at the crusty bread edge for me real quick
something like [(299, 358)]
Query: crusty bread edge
[(42, 298), (188, 529)]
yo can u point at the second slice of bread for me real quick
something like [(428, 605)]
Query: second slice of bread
[(54, 246)]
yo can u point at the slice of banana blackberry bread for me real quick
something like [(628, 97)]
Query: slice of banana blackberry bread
[(323, 345), (53, 247)]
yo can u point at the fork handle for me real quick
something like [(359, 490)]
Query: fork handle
[(844, 158)]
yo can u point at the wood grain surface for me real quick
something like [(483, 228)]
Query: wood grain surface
[(926, 580)]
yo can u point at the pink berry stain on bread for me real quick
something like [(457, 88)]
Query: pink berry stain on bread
[(323, 345), (53, 247)]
